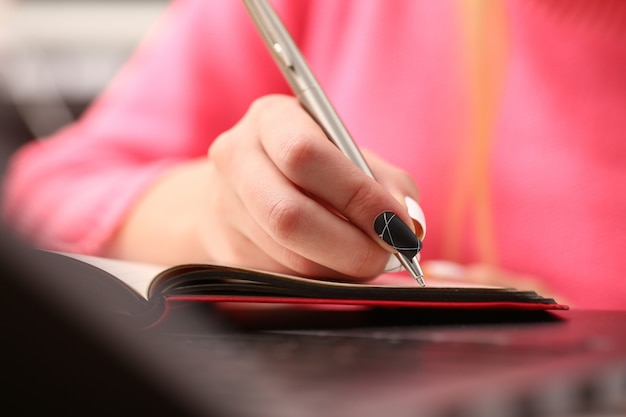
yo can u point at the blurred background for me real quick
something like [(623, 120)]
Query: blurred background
[(57, 55)]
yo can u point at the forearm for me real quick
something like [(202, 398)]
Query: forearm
[(163, 225)]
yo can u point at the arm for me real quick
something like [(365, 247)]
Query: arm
[(72, 191), (133, 180)]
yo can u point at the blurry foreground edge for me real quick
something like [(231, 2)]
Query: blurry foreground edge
[(66, 354)]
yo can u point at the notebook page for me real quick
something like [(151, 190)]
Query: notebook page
[(135, 274)]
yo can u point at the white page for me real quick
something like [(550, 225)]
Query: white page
[(135, 274)]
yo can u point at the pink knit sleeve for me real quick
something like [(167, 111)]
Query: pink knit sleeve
[(71, 191)]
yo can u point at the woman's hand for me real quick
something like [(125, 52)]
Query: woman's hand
[(274, 193), (290, 201)]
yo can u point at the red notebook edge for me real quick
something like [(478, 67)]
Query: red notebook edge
[(172, 302)]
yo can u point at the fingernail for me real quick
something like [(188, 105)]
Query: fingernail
[(417, 214), (397, 234)]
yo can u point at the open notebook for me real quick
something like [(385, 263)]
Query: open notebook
[(158, 291), (66, 353)]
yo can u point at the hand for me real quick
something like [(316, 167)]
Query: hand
[(273, 193), (282, 197)]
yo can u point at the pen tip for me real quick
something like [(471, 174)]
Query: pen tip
[(414, 269), (420, 280), (418, 273)]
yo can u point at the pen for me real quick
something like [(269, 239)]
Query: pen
[(311, 96)]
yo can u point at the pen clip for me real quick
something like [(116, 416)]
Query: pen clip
[(270, 32)]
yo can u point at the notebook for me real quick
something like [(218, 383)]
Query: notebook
[(76, 356), (160, 292)]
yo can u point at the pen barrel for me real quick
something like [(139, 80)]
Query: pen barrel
[(319, 107), (310, 94), (302, 81)]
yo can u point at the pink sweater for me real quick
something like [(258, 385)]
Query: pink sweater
[(543, 192)]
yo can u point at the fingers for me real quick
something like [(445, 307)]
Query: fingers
[(301, 152), (399, 184), (301, 206), (291, 228), (295, 229)]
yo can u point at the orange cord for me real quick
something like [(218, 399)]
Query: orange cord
[(483, 31)]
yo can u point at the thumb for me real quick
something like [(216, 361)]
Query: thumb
[(415, 212)]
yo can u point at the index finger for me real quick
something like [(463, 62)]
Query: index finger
[(303, 153)]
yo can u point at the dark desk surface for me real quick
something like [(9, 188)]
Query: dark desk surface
[(444, 363)]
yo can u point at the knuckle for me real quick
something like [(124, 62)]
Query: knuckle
[(359, 196), (270, 101), (262, 102), (284, 218), (221, 149), (297, 149), (216, 150)]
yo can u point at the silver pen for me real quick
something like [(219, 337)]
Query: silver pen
[(311, 96)]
